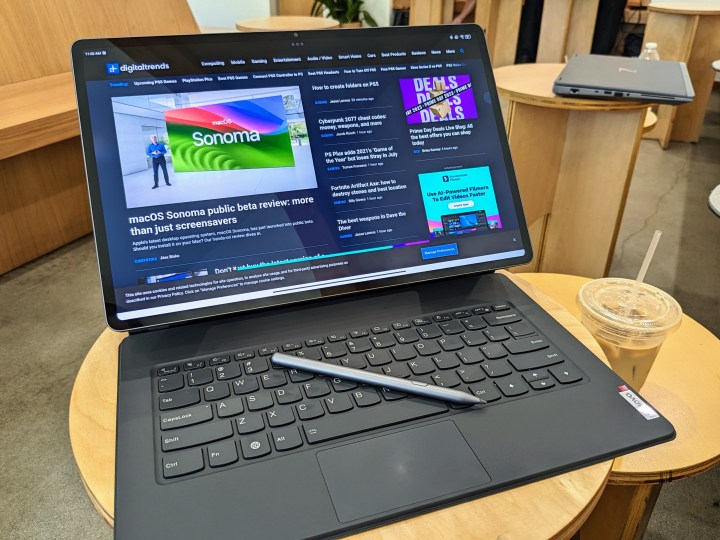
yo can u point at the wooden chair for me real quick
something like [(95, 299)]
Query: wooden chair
[(43, 198)]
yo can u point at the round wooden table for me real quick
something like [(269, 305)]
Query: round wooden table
[(687, 32), (552, 508), (574, 160), (683, 385), (285, 22)]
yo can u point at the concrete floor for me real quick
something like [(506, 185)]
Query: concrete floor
[(50, 314)]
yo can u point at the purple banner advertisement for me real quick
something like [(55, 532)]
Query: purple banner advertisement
[(436, 99)]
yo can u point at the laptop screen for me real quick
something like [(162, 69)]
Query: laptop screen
[(241, 171)]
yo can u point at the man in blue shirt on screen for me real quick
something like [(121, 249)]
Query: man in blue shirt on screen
[(156, 150)]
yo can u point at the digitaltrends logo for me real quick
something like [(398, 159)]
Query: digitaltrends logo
[(112, 69), (115, 69)]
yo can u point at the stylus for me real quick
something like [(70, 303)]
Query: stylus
[(376, 379)]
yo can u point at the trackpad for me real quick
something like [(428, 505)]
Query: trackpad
[(392, 471)]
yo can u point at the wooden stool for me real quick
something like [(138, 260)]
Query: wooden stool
[(683, 385), (574, 159), (687, 32), (285, 22), (552, 508)]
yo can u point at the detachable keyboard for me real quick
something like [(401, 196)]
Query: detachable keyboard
[(233, 408)]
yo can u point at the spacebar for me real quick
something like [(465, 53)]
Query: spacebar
[(359, 420)]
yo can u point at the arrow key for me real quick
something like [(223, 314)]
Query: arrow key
[(566, 373), (512, 386), (542, 385)]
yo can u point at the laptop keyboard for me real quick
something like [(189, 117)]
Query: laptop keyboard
[(234, 407)]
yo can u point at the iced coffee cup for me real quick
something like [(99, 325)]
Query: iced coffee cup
[(630, 321)]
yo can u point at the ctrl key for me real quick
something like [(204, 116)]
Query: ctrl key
[(182, 463)]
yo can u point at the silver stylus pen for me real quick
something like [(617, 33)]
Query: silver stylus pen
[(376, 379)]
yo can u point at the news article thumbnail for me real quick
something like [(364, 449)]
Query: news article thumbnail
[(199, 146), (438, 98), (459, 202)]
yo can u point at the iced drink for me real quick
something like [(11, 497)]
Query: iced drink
[(630, 321)]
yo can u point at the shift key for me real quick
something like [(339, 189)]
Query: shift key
[(334, 426), (186, 417)]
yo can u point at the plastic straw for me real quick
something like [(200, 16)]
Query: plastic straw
[(648, 256)]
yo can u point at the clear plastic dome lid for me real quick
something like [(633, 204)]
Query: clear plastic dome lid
[(651, 45), (630, 308)]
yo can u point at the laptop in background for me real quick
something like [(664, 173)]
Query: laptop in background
[(618, 77), (344, 196)]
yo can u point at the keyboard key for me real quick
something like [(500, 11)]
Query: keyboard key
[(497, 333), (542, 385), (383, 329), (421, 366), (244, 355), (170, 383), (255, 366), (314, 342), (473, 339), (181, 398), (334, 426), (421, 321), (481, 310), (470, 356), (519, 346), (250, 423), (397, 370), (227, 371), (229, 407), (186, 417), (268, 351), (217, 360), (451, 328), (335, 350), (496, 369), (512, 386), (309, 410), (451, 343), (446, 361), (486, 390), (167, 370), (501, 307), (310, 354), (273, 379), (196, 435), (366, 397), (291, 394), (448, 379), (504, 317), (534, 360), (255, 446), (258, 402), (401, 325), (427, 348), (245, 385), (340, 385), (356, 362), (444, 317), (383, 342), (392, 395), (357, 346), (474, 323), (535, 375), (182, 463), (402, 353), (316, 388), (358, 334), (429, 332), (291, 346), (461, 314), (222, 453), (200, 377), (471, 374), (338, 403), (216, 391), (193, 365), (406, 336), (378, 358), (286, 439), (298, 376), (332, 338), (493, 351), (520, 329), (565, 373), (280, 416)]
